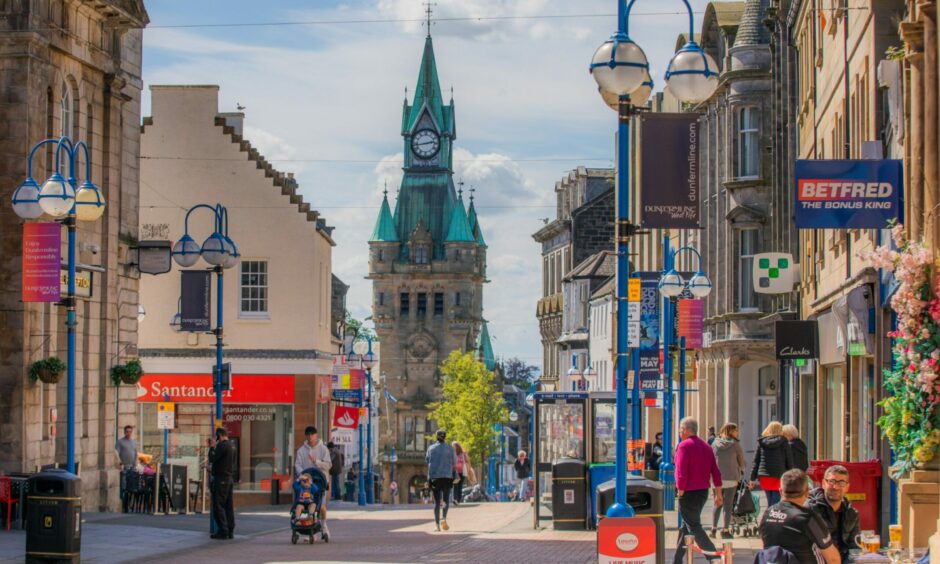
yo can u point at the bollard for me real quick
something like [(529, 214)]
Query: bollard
[(689, 551), (728, 549), (275, 491)]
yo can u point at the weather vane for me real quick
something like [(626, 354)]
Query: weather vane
[(428, 10)]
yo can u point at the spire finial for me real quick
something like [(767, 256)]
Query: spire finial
[(472, 190), (460, 188), (428, 10), (385, 191)]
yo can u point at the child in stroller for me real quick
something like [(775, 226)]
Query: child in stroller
[(305, 512)]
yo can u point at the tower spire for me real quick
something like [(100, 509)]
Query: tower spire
[(428, 10)]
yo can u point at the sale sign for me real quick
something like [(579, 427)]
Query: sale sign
[(42, 259), (345, 417), (623, 540)]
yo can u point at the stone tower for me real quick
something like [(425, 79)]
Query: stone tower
[(427, 263)]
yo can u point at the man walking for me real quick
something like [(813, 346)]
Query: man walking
[(126, 448), (222, 462), (696, 470), (441, 462), (829, 503), (337, 461), (313, 453), (523, 472)]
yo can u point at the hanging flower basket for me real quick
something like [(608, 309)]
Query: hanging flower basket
[(911, 420), (47, 370), (129, 373)]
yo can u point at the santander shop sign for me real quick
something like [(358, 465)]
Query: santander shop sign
[(198, 388)]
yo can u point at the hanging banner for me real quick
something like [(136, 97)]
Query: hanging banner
[(42, 257), (649, 332), (196, 300), (669, 167), (691, 322), (841, 194), (796, 339)]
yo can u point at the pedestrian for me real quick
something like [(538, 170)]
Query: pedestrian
[(462, 470), (830, 503), (126, 448), (222, 462), (696, 471), (795, 528), (771, 459), (523, 469), (655, 456), (730, 457), (314, 454), (393, 492), (441, 462), (711, 435), (351, 481), (798, 448), (337, 461)]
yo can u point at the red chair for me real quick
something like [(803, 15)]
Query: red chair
[(6, 496)]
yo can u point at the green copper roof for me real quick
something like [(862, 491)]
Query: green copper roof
[(385, 226), (459, 230), (475, 224), (428, 92), (428, 198), (485, 348)]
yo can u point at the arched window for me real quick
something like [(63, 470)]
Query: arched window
[(66, 116)]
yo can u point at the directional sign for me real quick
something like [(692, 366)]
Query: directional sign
[(347, 395), (633, 324)]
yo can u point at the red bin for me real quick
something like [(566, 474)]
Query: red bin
[(864, 481)]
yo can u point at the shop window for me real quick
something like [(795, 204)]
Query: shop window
[(438, 304), (405, 304), (748, 153), (254, 288), (747, 298), (422, 304)]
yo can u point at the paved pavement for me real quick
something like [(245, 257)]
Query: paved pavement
[(488, 532)]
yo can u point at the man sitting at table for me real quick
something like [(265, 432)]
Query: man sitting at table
[(830, 503), (794, 528)]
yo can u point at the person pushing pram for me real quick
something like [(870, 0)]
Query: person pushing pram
[(306, 497), (310, 489)]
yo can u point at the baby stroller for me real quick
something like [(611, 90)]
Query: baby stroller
[(746, 508), (308, 524)]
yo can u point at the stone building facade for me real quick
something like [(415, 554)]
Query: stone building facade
[(427, 264), (71, 68)]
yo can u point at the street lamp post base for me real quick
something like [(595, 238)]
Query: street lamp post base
[(620, 510)]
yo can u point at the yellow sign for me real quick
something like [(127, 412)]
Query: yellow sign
[(633, 290), (47, 521), (166, 412), (853, 497), (83, 283)]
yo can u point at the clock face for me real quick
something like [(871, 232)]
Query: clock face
[(425, 143)]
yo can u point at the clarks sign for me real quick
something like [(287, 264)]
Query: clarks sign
[(796, 340)]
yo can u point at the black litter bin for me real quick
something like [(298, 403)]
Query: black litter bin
[(569, 494), (646, 499), (54, 517)]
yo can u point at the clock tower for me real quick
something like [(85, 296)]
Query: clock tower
[(427, 263)]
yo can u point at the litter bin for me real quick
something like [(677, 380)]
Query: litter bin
[(54, 517), (597, 475), (864, 486), (646, 498), (569, 494)]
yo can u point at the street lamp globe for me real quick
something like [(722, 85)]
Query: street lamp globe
[(692, 75), (89, 204), (26, 200), (700, 285), (619, 65), (213, 249), (641, 95), (186, 251), (232, 255), (671, 284), (56, 196), (368, 360), (590, 376)]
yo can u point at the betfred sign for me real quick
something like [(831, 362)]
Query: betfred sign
[(198, 388), (622, 540), (841, 194)]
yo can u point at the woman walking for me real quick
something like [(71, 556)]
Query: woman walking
[(463, 469), (797, 447), (771, 460), (730, 457)]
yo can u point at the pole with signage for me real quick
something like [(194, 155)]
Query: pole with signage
[(681, 378), (666, 468)]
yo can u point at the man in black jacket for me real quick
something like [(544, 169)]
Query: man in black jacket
[(222, 462), (829, 503)]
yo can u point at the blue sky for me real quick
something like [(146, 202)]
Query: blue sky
[(323, 100)]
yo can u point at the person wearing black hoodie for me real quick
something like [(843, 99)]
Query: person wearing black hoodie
[(829, 503), (797, 447), (771, 459)]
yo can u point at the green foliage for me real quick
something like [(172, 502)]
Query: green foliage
[(893, 53), (128, 373), (356, 330), (520, 373), (52, 366), (471, 405)]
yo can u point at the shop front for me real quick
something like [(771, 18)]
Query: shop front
[(258, 412)]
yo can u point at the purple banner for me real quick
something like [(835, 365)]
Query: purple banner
[(669, 171), (691, 322), (42, 262)]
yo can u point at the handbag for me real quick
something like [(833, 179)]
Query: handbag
[(743, 502)]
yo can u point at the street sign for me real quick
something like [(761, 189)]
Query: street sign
[(153, 257), (166, 415), (633, 323), (633, 290), (348, 395), (626, 539), (342, 436)]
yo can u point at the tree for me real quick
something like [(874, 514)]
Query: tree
[(471, 404), (519, 373), (356, 329)]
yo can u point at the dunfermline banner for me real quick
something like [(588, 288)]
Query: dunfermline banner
[(844, 194)]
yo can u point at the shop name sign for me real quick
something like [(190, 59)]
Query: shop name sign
[(796, 339), (841, 194), (198, 388)]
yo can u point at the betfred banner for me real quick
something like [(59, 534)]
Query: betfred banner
[(42, 258), (842, 194), (623, 540), (345, 417), (649, 332), (198, 388), (669, 170)]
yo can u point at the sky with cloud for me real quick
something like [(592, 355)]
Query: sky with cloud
[(323, 84)]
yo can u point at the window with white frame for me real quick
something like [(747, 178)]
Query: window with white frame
[(65, 111), (747, 298), (748, 141), (254, 288)]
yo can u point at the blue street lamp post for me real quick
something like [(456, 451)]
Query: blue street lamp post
[(361, 498), (62, 199), (671, 285), (222, 253), (368, 361), (622, 73)]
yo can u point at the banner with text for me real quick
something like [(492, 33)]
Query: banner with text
[(195, 300), (691, 323), (669, 167), (42, 257), (649, 332), (844, 194)]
